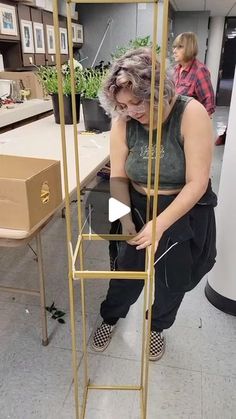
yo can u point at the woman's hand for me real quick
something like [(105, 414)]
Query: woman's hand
[(144, 237)]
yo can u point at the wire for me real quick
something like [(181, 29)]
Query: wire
[(88, 218), (167, 250)]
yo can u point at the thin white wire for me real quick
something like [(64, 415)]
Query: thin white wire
[(167, 250), (163, 254), (86, 219), (90, 220)]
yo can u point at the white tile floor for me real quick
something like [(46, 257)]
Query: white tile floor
[(195, 379)]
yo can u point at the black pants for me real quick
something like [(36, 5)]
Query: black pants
[(191, 257), (123, 293)]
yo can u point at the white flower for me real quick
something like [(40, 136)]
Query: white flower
[(76, 64)]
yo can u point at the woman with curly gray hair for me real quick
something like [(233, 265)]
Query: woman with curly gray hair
[(185, 218)]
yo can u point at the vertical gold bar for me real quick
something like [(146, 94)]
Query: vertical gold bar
[(42, 291), (148, 290), (79, 215), (156, 182), (67, 201), (73, 92), (62, 118)]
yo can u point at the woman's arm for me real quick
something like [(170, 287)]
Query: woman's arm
[(204, 90), (197, 132)]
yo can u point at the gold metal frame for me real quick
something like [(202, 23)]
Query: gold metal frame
[(73, 254)]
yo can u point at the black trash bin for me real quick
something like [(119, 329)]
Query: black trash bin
[(67, 108)]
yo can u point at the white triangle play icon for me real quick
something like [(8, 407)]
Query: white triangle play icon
[(117, 209)]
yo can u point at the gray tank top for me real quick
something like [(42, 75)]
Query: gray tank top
[(172, 158)]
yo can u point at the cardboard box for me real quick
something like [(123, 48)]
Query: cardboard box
[(30, 191), (29, 80)]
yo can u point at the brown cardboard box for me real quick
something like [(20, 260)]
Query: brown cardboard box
[(29, 80), (30, 190)]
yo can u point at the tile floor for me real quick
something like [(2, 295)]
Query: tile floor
[(196, 379)]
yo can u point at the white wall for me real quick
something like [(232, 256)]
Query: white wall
[(128, 22), (223, 276), (214, 48)]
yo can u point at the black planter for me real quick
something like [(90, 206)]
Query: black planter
[(95, 118), (67, 108)]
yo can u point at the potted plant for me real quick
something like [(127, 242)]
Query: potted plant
[(95, 118), (134, 44), (48, 78)]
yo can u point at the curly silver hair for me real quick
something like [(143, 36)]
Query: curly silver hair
[(133, 71)]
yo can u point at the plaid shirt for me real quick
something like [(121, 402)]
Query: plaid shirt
[(195, 81)]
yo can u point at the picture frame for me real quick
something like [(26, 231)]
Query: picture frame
[(27, 39), (64, 41), (50, 39), (8, 23), (39, 42), (79, 33), (74, 32)]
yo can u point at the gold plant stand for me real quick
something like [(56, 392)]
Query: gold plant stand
[(77, 253)]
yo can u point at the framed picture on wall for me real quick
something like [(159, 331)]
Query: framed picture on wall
[(64, 41), (74, 33), (39, 38), (8, 25), (27, 38), (79, 34), (50, 39)]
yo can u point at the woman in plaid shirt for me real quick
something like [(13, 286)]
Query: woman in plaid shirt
[(192, 78)]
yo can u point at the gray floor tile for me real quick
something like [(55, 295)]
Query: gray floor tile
[(218, 397), (35, 378)]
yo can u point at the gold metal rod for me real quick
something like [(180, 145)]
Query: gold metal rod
[(110, 1), (83, 309), (151, 269), (147, 342), (62, 118), (144, 356), (74, 114), (119, 237), (42, 290), (79, 210), (85, 399), (141, 404), (107, 387), (67, 201), (110, 275), (152, 109), (77, 247), (20, 290), (73, 343), (144, 333), (159, 126)]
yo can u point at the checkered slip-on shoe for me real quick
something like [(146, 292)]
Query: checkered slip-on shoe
[(157, 346), (102, 337)]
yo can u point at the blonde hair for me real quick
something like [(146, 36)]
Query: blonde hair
[(188, 41), (133, 71)]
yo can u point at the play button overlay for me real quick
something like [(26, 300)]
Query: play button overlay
[(117, 210), (104, 203)]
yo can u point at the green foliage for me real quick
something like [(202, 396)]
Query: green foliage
[(134, 44), (92, 82), (48, 77), (88, 81)]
